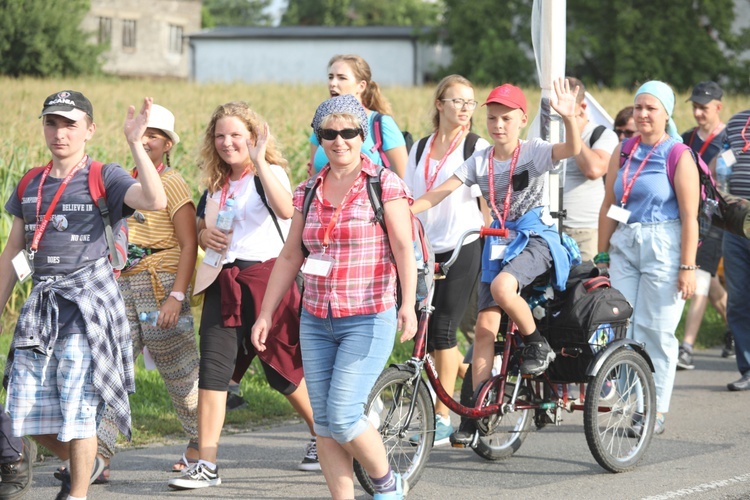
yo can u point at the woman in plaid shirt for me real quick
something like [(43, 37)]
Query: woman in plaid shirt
[(349, 316)]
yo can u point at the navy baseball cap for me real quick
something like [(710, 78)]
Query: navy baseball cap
[(68, 103), (705, 92)]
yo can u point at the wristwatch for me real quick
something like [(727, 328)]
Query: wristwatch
[(177, 295)]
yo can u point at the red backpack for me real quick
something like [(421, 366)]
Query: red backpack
[(117, 238)]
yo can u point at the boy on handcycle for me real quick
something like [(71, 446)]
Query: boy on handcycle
[(530, 247)]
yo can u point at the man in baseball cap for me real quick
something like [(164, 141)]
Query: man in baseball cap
[(705, 92), (68, 103)]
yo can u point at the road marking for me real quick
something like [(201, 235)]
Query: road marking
[(702, 488)]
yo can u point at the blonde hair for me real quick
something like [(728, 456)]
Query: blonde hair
[(372, 98), (215, 171), (442, 87)]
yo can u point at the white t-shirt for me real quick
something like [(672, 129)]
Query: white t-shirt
[(459, 212), (255, 236)]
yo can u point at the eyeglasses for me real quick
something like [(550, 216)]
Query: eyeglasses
[(460, 103), (624, 132), (330, 134)]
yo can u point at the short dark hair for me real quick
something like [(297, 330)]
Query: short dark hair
[(573, 81), (624, 116)]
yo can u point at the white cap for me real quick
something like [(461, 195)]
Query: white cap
[(163, 119)]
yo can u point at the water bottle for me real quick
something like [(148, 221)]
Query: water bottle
[(418, 255), (536, 303), (723, 171), (223, 223), (184, 322)]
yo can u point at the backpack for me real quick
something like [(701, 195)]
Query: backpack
[(712, 204), (377, 138), (596, 134), (423, 252), (117, 236), (470, 144)]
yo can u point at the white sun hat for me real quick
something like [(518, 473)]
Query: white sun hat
[(163, 119)]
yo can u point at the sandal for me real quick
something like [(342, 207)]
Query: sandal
[(98, 475), (185, 463)]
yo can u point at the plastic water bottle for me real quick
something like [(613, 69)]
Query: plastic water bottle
[(223, 223), (536, 303), (418, 255), (150, 318), (723, 171)]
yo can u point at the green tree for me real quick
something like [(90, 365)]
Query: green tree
[(235, 13), (623, 42), (415, 13), (491, 43), (41, 38)]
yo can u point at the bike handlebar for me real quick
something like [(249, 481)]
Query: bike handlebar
[(488, 231), (441, 268)]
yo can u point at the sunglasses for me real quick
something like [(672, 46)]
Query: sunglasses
[(624, 132), (330, 134)]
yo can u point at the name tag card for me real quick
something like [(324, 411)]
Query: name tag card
[(318, 265), (618, 213), (728, 157), (23, 266)]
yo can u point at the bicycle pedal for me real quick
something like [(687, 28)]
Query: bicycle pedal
[(458, 445)]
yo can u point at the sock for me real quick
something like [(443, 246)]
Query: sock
[(71, 497), (534, 336), (687, 347), (208, 464), (386, 483), (234, 388)]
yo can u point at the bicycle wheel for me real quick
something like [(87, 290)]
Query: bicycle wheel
[(506, 433), (408, 441), (620, 410)]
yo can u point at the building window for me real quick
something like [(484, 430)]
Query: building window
[(175, 39), (105, 30), (128, 33)]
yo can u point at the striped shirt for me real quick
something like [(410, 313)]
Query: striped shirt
[(363, 276), (739, 180), (157, 231)]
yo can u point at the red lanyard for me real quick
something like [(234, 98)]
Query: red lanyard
[(628, 186), (430, 181), (506, 202), (708, 140), (225, 189), (42, 226), (335, 218), (747, 143), (159, 169)]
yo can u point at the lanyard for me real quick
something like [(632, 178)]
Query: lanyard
[(335, 217), (159, 169), (506, 202), (430, 181), (708, 140), (747, 143), (42, 226), (225, 189), (628, 186)]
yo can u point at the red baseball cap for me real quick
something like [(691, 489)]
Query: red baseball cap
[(507, 95)]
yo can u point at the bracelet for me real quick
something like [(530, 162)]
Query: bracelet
[(200, 233), (601, 258), (685, 267)]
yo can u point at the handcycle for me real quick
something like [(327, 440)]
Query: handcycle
[(616, 393)]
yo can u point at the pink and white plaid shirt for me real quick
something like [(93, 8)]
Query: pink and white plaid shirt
[(363, 277)]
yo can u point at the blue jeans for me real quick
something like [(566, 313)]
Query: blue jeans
[(644, 264), (737, 274), (342, 359)]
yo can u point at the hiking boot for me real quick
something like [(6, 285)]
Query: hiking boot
[(16, 476), (235, 402), (536, 357), (310, 461), (197, 476), (685, 360), (728, 350)]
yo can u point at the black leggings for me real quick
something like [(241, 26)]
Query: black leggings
[(220, 346), (452, 296)]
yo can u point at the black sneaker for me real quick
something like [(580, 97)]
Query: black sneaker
[(16, 476), (235, 402), (465, 433), (197, 476), (685, 360), (536, 357), (310, 460), (728, 350)]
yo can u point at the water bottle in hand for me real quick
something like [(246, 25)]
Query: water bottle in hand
[(151, 317), (223, 223)]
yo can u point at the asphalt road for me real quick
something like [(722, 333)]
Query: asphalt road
[(704, 454)]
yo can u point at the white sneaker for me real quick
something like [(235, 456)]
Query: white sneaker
[(197, 476), (310, 461)]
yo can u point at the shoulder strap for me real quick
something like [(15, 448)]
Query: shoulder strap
[(30, 174), (596, 282), (470, 144), (596, 134), (377, 137), (310, 189), (99, 196), (674, 157), (96, 183), (421, 144), (627, 148), (375, 193), (262, 194)]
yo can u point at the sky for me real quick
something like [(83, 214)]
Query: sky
[(276, 9)]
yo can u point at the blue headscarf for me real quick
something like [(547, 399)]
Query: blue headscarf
[(343, 104), (664, 93)]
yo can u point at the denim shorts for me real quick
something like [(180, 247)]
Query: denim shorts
[(342, 359), (54, 394)]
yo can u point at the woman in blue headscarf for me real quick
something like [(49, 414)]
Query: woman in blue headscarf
[(648, 233)]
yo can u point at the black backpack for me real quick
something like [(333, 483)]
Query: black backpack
[(470, 144)]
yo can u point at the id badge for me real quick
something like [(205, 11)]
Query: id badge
[(728, 157), (498, 249), (318, 265), (618, 213), (23, 265)]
